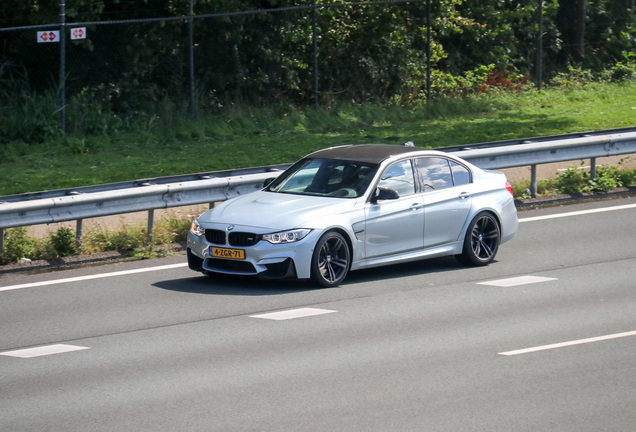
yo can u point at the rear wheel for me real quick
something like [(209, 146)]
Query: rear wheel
[(331, 260), (482, 240)]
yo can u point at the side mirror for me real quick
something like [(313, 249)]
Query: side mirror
[(268, 181), (382, 193)]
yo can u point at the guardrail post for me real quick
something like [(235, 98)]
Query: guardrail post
[(533, 180), (151, 223), (78, 234), (592, 168)]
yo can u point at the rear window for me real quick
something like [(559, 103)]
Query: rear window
[(435, 173)]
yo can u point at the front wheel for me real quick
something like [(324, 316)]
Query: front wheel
[(331, 260), (482, 240)]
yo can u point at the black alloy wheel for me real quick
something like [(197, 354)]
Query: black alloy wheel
[(482, 240), (331, 260)]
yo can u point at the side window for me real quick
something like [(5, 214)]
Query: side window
[(435, 173), (399, 177), (461, 175)]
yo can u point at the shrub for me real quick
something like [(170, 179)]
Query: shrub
[(521, 190), (626, 177), (573, 180), (17, 245), (576, 180), (127, 239), (605, 180), (64, 243), (171, 230)]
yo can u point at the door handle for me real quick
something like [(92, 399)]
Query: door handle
[(416, 206), (464, 195)]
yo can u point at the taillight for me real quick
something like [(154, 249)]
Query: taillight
[(509, 188)]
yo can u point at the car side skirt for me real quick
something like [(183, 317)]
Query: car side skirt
[(436, 252)]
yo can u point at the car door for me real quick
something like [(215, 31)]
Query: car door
[(447, 199), (396, 225)]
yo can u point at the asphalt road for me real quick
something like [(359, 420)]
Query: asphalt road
[(544, 339)]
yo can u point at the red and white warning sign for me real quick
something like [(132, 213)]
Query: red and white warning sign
[(48, 36), (78, 33)]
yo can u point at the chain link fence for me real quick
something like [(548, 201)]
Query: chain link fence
[(188, 58)]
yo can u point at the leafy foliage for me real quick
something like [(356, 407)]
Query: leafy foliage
[(64, 243), (573, 180), (253, 51), (17, 245), (576, 180)]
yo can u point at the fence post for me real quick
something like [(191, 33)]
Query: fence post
[(62, 66), (314, 40), (193, 109), (533, 180), (428, 51), (540, 48)]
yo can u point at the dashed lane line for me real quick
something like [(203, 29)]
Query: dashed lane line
[(517, 281), (293, 313), (43, 351), (567, 344)]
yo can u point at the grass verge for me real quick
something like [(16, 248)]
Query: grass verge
[(249, 137)]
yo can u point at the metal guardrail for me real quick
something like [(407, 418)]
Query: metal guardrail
[(537, 153), (564, 149), (151, 194), (540, 139), (144, 196), (110, 187)]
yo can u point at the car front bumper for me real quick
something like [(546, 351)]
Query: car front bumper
[(263, 259)]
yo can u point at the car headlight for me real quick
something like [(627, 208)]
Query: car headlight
[(286, 236), (197, 229)]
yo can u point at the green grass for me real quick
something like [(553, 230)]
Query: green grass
[(247, 137)]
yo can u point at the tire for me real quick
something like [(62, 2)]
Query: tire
[(331, 260), (482, 240)]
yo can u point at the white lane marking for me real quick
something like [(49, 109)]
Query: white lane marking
[(516, 281), (89, 277), (293, 313), (570, 343), (577, 213), (43, 351)]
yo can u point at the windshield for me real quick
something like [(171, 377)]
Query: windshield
[(325, 177)]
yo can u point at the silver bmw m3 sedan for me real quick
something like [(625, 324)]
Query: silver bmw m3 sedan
[(355, 207)]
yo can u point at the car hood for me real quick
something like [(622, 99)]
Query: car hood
[(276, 211)]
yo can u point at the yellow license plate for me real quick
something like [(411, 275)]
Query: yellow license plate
[(217, 252)]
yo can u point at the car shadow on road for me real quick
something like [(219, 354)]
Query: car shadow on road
[(395, 271), (250, 286), (234, 285)]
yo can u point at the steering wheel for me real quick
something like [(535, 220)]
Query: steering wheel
[(343, 193)]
